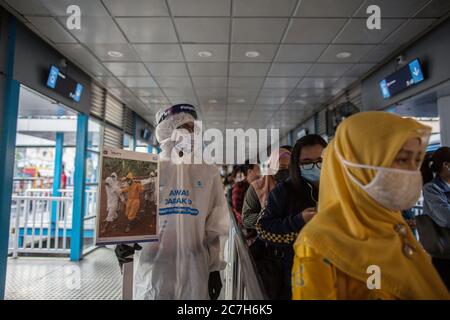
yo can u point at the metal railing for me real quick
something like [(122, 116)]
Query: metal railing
[(42, 223), (242, 280), (37, 228)]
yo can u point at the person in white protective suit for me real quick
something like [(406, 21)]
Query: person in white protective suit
[(193, 219), (113, 195)]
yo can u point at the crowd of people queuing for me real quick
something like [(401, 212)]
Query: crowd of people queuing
[(317, 226)]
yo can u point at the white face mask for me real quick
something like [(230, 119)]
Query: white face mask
[(186, 142), (394, 189)]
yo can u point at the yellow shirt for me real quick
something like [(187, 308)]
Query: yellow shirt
[(315, 278)]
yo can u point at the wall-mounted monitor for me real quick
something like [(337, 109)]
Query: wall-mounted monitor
[(402, 79), (64, 85)]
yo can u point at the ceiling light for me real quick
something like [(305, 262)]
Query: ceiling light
[(300, 101), (155, 101), (252, 54), (236, 122), (115, 54), (343, 55), (205, 54), (240, 100), (216, 123), (213, 101)]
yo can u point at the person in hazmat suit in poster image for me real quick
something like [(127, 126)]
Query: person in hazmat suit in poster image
[(193, 220)]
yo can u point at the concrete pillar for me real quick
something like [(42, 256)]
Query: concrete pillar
[(443, 104)]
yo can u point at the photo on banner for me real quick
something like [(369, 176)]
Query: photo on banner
[(129, 197)]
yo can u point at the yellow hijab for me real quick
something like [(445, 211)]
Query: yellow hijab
[(353, 231)]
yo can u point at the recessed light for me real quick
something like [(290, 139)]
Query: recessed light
[(205, 54), (300, 101), (240, 100), (252, 54), (115, 54), (216, 122), (212, 101), (155, 101), (343, 55), (236, 122)]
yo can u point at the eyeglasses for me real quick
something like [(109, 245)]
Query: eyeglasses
[(310, 165)]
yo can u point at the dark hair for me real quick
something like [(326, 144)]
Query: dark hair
[(434, 163), (248, 166), (294, 168), (236, 170)]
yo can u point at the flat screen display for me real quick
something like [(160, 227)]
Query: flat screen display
[(64, 85), (402, 79)]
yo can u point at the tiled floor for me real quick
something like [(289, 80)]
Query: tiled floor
[(96, 277)]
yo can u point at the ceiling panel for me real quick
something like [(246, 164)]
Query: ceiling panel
[(177, 69), (281, 82), (329, 69), (109, 51), (269, 100), (147, 92), (199, 8), (139, 82), (50, 28), (88, 8), (178, 82), (110, 82), (136, 8), (319, 83), (409, 30), (249, 69), (265, 8), (254, 30), (78, 53), (280, 58), (328, 8), (148, 29), (359, 69), (159, 52), (208, 69), (393, 9), (246, 82), (27, 7), (106, 30), (265, 52), (201, 30), (299, 52), (127, 69), (308, 30), (192, 52), (357, 51), (435, 9), (288, 69), (356, 31), (275, 92), (213, 82), (378, 53)]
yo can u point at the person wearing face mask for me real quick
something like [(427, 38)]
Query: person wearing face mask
[(291, 204), (358, 246), (193, 220), (256, 196), (249, 173), (436, 205)]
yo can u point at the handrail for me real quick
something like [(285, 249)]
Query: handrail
[(247, 283)]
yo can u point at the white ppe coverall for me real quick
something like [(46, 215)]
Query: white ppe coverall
[(193, 228), (112, 195)]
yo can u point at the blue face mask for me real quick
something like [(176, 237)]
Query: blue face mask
[(312, 175)]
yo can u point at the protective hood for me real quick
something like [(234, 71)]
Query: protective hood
[(168, 122)]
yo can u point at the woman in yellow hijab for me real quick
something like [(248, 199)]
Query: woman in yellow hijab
[(358, 246)]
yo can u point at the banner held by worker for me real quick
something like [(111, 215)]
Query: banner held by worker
[(128, 201)]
